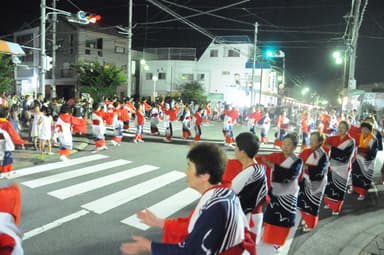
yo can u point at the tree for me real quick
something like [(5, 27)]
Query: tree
[(99, 80), (194, 91), (6, 73)]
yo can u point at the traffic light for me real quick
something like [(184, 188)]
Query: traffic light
[(47, 65), (88, 17)]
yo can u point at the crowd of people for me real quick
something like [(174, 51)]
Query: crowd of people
[(245, 201)]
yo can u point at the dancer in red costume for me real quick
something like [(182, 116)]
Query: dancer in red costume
[(10, 208)]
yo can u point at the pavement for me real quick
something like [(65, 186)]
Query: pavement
[(358, 230)]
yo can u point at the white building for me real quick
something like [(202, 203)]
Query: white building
[(225, 69)]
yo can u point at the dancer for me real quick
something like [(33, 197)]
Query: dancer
[(216, 226), (363, 165), (10, 210), (313, 180), (283, 172), (140, 118), (342, 147), (98, 127), (63, 128), (198, 120), (10, 137)]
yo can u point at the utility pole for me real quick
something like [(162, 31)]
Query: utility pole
[(253, 96), (353, 46), (129, 64), (42, 46), (53, 70)]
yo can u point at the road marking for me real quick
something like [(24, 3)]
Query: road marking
[(53, 166), (111, 201), (75, 173), (166, 207), (54, 224), (83, 187)]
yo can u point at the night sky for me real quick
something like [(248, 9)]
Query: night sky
[(306, 30)]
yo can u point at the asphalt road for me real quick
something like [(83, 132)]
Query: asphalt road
[(87, 205)]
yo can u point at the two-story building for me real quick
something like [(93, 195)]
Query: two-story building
[(74, 43), (225, 69)]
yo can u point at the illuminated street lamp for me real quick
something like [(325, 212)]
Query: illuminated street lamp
[(337, 57), (304, 91)]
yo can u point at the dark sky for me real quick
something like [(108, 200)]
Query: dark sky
[(306, 30)]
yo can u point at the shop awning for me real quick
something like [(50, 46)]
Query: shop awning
[(10, 48)]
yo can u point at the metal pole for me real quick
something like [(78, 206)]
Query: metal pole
[(261, 80), (253, 96), (129, 64), (284, 71), (42, 46), (355, 31), (53, 70)]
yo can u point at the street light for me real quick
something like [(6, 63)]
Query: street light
[(154, 79), (336, 55), (304, 91)]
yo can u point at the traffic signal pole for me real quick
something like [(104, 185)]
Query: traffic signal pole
[(129, 64), (43, 53), (53, 70), (253, 94)]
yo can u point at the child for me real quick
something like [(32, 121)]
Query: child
[(139, 124), (11, 137), (45, 130)]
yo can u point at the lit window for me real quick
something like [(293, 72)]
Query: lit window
[(187, 77)]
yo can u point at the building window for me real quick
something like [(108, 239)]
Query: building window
[(89, 44), (233, 53), (162, 76), (225, 72), (100, 53), (148, 76), (214, 53), (187, 77), (201, 77), (99, 43), (119, 49)]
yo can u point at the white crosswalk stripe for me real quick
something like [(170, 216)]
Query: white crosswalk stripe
[(56, 165), (166, 207), (75, 173), (84, 187), (109, 202)]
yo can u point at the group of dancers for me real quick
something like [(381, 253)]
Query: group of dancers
[(331, 164)]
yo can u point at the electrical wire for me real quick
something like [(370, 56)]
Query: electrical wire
[(199, 13)]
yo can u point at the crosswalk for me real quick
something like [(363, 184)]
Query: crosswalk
[(60, 181), (87, 167)]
